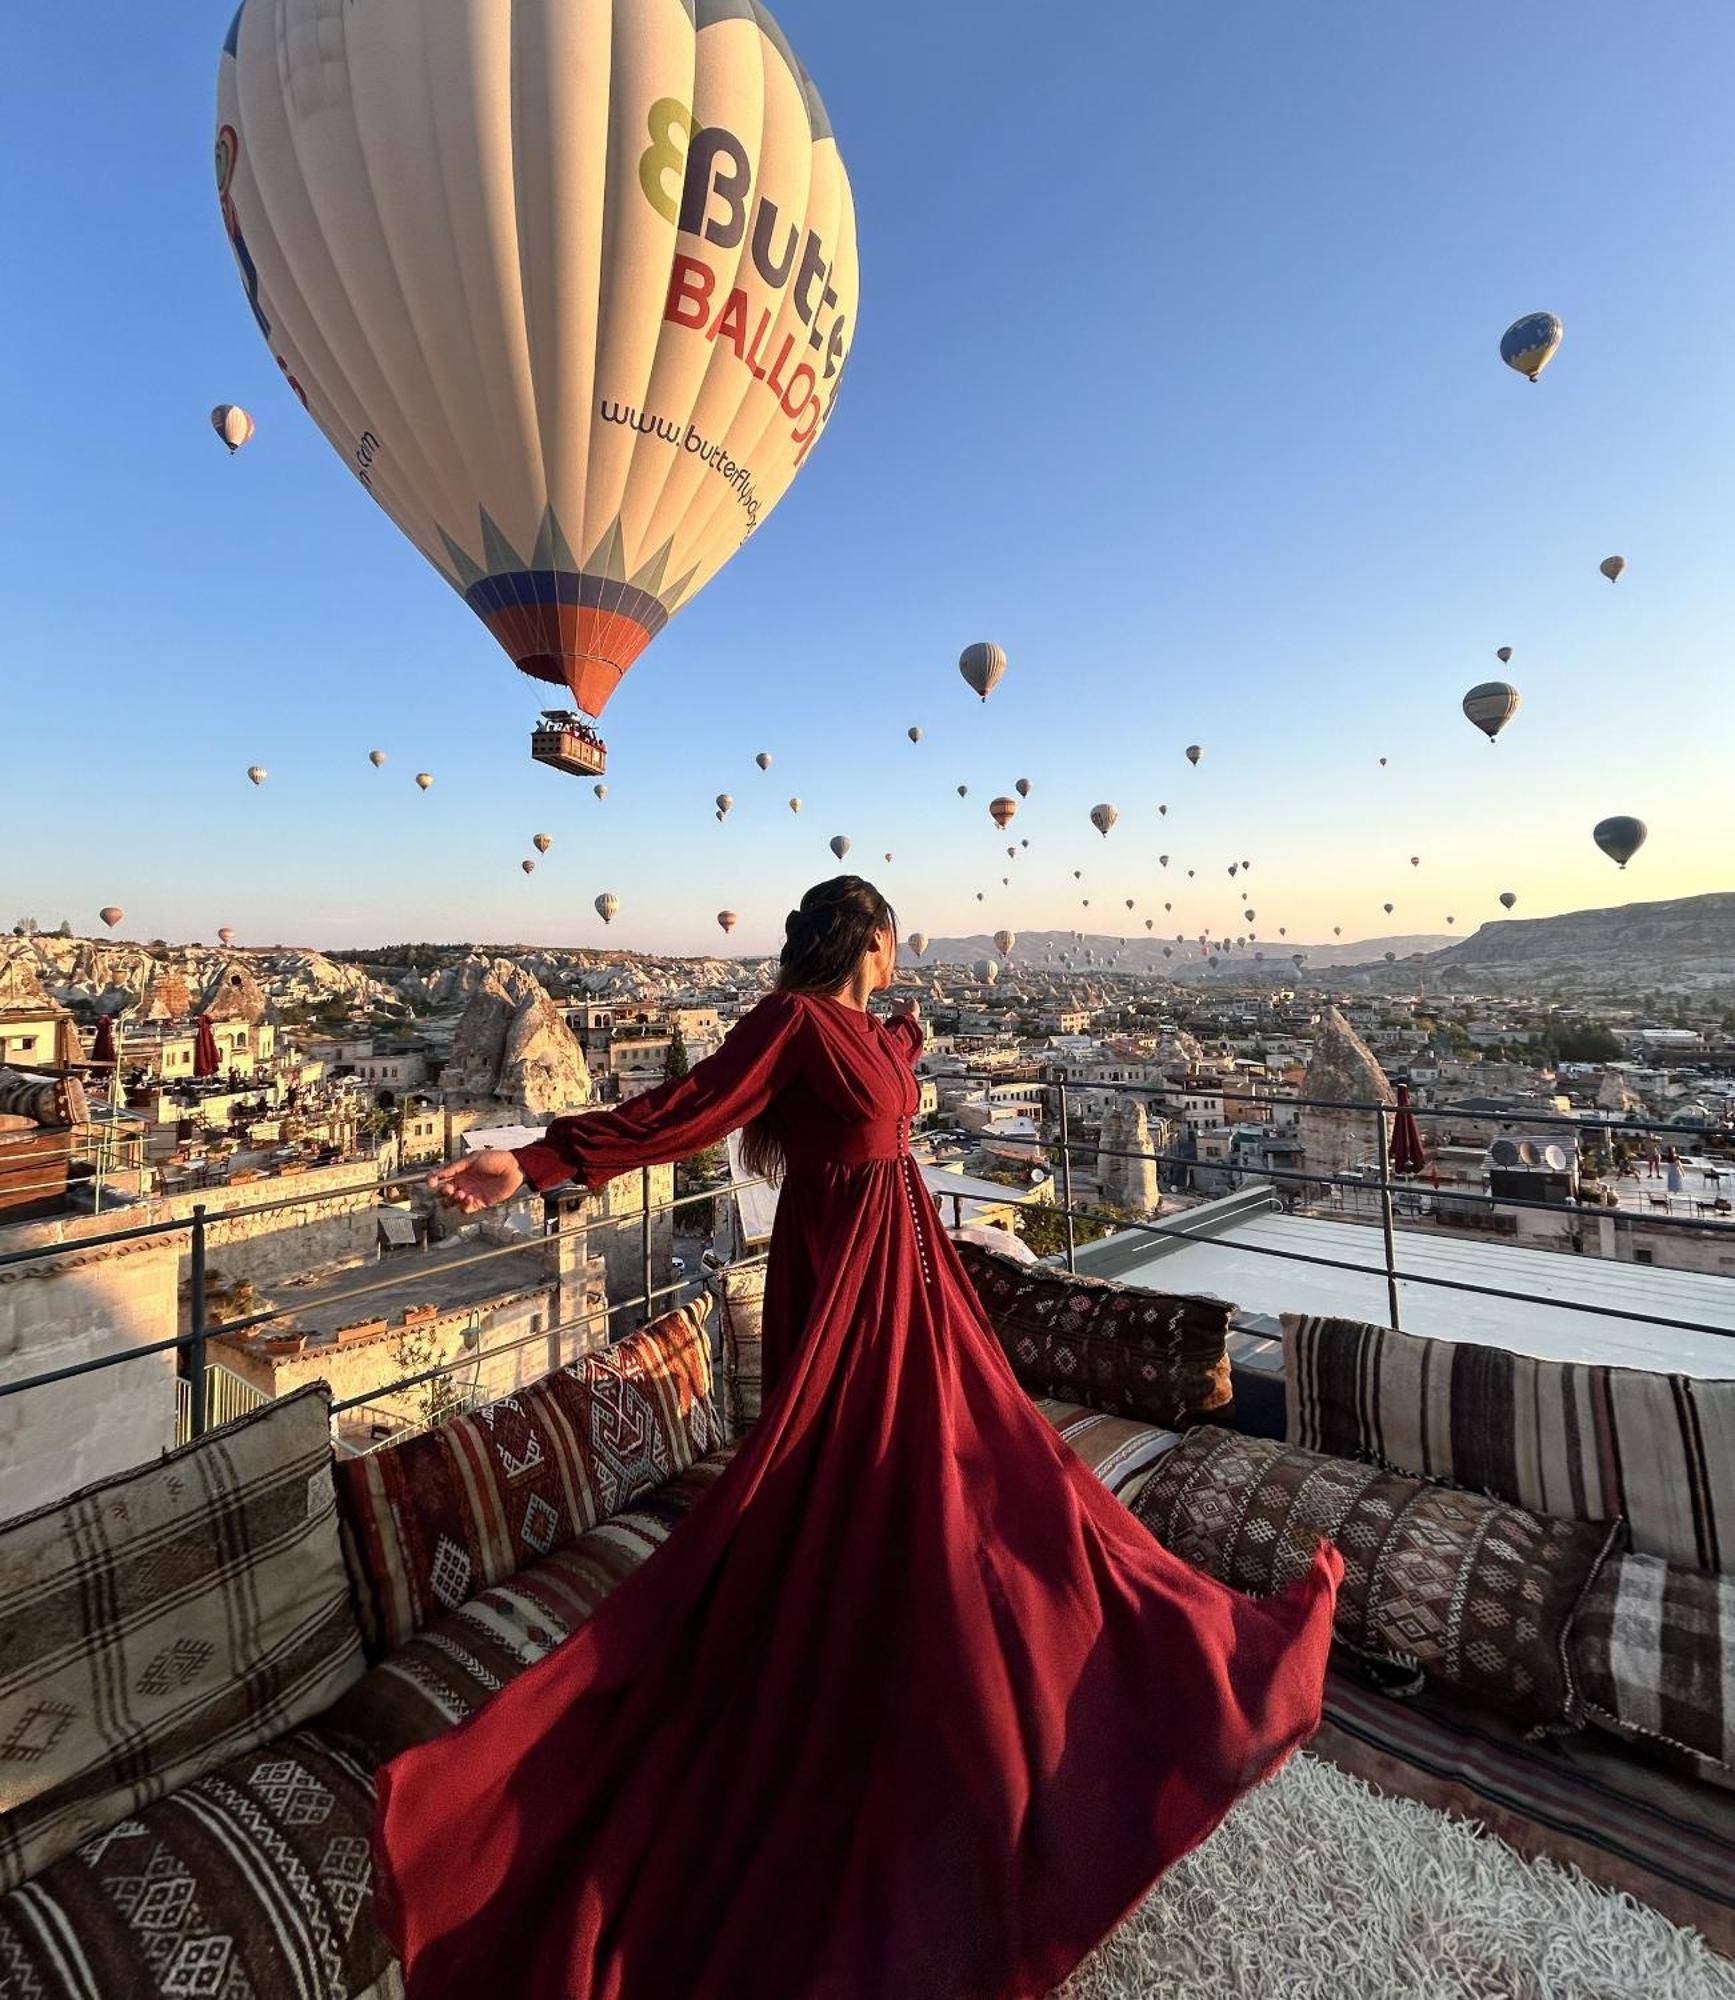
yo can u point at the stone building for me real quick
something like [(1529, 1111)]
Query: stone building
[(1341, 1070)]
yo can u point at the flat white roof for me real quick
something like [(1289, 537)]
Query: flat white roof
[(1230, 1265), (505, 1138)]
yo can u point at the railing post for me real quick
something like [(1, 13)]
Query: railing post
[(196, 1351), (1386, 1215), (645, 1195), (1066, 1181)]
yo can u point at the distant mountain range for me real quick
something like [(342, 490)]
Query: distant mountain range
[(1687, 943), (1039, 951)]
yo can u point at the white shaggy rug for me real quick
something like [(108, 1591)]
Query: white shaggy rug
[(1317, 1888)]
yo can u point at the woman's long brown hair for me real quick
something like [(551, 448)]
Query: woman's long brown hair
[(823, 943)]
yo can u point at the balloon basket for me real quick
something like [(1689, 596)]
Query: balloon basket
[(566, 742)]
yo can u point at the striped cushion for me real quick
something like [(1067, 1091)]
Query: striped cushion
[(165, 1620), (740, 1296), (1119, 1450), (449, 1669), (430, 1522), (252, 1883), (1580, 1442), (1654, 1650)]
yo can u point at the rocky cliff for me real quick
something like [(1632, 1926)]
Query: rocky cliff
[(1686, 944), (513, 1044)]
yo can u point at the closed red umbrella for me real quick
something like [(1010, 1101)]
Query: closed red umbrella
[(103, 1051), (206, 1060), (1408, 1154)]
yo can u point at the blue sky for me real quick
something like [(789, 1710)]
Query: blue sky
[(1176, 374)]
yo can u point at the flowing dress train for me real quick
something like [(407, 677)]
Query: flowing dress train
[(909, 1707)]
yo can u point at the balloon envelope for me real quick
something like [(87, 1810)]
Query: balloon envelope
[(795, 805), (986, 971), (1022, 788), (529, 867), (225, 935), (258, 773), (1507, 899), (726, 920), (763, 760), (111, 914), (542, 842), (424, 779), (1620, 838), (376, 758), (724, 802), (915, 734), (1503, 654), (1194, 753), (600, 790), (1103, 817), (1611, 566), (1528, 344), (608, 907), (570, 289), (232, 424), (918, 942), (1004, 941), (1001, 811), (982, 665), (839, 844), (1490, 705)]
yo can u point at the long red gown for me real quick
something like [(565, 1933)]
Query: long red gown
[(909, 1707)]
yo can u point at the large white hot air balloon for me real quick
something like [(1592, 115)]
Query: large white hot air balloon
[(542, 842), (839, 844), (1490, 705), (985, 971), (763, 760), (376, 758), (1103, 817), (232, 424), (608, 907), (982, 665), (1004, 941), (918, 942), (570, 288)]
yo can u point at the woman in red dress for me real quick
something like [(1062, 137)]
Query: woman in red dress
[(909, 1707)]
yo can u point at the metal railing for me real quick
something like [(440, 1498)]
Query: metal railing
[(227, 1396)]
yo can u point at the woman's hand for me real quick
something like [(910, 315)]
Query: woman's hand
[(912, 1007), (482, 1181)]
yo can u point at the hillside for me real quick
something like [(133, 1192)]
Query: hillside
[(1687, 944)]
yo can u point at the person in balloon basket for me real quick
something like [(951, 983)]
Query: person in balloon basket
[(909, 1707)]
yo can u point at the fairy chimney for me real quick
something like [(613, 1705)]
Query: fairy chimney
[(513, 1044), (1342, 1070)]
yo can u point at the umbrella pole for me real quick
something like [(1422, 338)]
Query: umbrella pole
[(1385, 1134)]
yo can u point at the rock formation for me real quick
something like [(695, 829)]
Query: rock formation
[(513, 1044), (235, 995), (1127, 1182), (1341, 1070)]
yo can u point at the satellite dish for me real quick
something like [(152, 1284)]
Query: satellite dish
[(1555, 1156), (1503, 1153), (1528, 1154)]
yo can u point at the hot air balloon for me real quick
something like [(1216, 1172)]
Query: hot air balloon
[(1162, 861), (919, 942), (1164, 811), (1387, 908), (763, 760), (424, 779), (1012, 854), (985, 971), (376, 758), (1451, 920), (565, 338), (1337, 930), (795, 805), (111, 914), (1234, 869), (232, 424), (1001, 811), (1611, 567), (1391, 957), (888, 855), (915, 735), (1283, 930), (542, 842), (1415, 861), (1507, 899), (608, 908), (839, 844), (1129, 902), (1022, 788), (1004, 941), (600, 790), (1382, 763), (1491, 705), (982, 665), (1103, 817), (1503, 654), (1078, 874), (225, 935), (1150, 923), (1619, 838), (1528, 344), (980, 897), (963, 791), (724, 802), (258, 773), (1168, 951), (529, 867), (1194, 753), (1024, 843), (726, 921)]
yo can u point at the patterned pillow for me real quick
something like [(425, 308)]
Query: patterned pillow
[(1119, 1450), (1654, 1653), (1150, 1355), (430, 1522), (164, 1621), (1475, 1594), (1588, 1443), (740, 1296)]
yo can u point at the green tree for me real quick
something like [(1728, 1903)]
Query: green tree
[(675, 1061), (1044, 1230)]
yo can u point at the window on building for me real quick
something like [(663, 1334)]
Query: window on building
[(1644, 1256)]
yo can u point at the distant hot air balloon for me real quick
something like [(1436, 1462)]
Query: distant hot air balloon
[(763, 760), (1503, 654), (1451, 920), (1491, 705), (1387, 907), (600, 790), (1012, 853), (1164, 811), (424, 779), (376, 758), (985, 971), (1415, 861), (550, 337), (1168, 951), (1004, 941), (1001, 811), (1528, 344), (724, 802), (888, 854), (726, 921), (980, 897), (1283, 930), (1129, 902), (1024, 843), (795, 805), (1391, 957), (963, 791), (1103, 817), (918, 942), (1022, 788), (111, 914), (1507, 899), (258, 773), (1150, 923), (839, 844), (1620, 838), (1234, 869), (542, 842), (1194, 753), (608, 908), (225, 935), (1611, 567), (982, 665), (1162, 861), (1382, 763), (915, 735), (1078, 874), (232, 424), (1337, 930), (529, 867)]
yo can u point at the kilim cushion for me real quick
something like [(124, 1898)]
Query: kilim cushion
[(253, 1883), (1468, 1591), (1150, 1355), (1587, 1443), (1119, 1450), (741, 1309), (431, 1522), (161, 1622), (1653, 1651)]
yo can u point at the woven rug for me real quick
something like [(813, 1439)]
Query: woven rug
[(1318, 1888)]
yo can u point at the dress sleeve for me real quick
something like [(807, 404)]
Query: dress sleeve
[(906, 1033), (679, 1117)]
